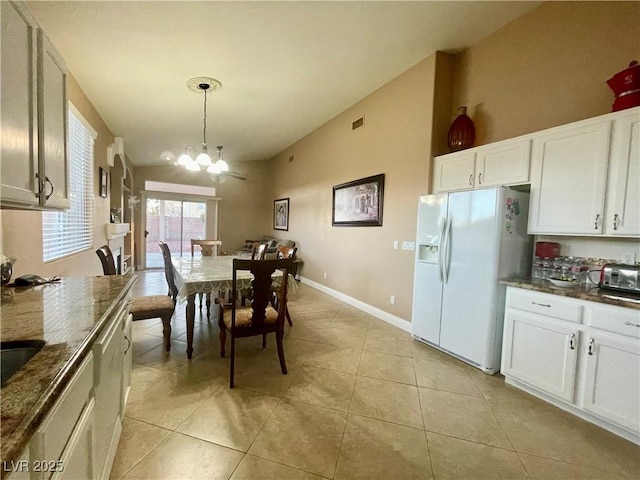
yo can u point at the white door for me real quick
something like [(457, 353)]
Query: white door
[(612, 389), (427, 284), (540, 352), (505, 163), (469, 300), (569, 168), (454, 172), (623, 193)]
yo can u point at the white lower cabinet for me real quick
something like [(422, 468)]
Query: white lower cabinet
[(541, 352), (581, 356)]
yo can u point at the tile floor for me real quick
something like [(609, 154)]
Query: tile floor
[(361, 400)]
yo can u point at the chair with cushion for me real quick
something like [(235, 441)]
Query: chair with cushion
[(147, 307), (260, 318), (168, 271)]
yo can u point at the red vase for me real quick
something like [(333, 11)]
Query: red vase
[(626, 86), (462, 132)]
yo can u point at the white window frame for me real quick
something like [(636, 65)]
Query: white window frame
[(70, 231)]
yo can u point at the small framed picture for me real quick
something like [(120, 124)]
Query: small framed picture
[(281, 214), (359, 203), (104, 180)]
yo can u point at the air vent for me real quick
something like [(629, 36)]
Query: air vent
[(357, 123)]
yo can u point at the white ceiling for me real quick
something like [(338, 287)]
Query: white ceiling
[(286, 67)]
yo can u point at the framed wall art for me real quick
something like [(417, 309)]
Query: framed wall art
[(281, 214), (359, 203), (104, 181)]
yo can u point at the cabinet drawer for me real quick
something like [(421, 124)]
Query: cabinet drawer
[(614, 319), (544, 304), (54, 432)]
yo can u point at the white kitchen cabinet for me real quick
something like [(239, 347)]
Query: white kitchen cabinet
[(108, 373), (623, 188), (77, 459), (612, 388), (454, 171), (541, 352), (568, 177), (128, 363), (34, 167), (500, 163), (581, 356)]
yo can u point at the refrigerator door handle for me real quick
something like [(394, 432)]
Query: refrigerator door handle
[(448, 251), (445, 247), (440, 247)]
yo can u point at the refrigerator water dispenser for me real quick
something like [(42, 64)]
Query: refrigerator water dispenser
[(428, 253)]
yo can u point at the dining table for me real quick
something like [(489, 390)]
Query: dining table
[(209, 275)]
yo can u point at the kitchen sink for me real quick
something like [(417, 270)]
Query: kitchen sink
[(14, 355)]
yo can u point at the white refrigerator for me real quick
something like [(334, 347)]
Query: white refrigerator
[(466, 243)]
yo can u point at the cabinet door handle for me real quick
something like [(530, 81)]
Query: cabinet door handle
[(479, 178), (572, 341), (615, 221), (46, 179), (591, 345), (597, 222), (471, 179), (541, 304), (632, 324), (128, 344)]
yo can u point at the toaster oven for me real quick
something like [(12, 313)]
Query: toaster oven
[(620, 277)]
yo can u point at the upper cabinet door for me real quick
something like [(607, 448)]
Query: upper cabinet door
[(19, 164), (568, 177), (505, 163), (623, 192), (454, 172), (52, 125)]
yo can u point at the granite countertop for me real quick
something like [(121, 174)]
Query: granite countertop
[(581, 291), (67, 315)]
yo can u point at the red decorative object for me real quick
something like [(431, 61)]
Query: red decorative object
[(462, 132), (626, 86)]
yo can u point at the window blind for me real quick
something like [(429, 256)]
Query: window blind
[(71, 231)]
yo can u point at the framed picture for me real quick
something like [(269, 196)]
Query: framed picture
[(104, 179), (281, 214), (359, 203)]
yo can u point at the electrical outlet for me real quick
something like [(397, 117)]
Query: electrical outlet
[(628, 258), (408, 245), (395, 244), (392, 300), (324, 275)]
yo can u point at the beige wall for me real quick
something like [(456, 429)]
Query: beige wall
[(395, 140), (544, 69), (244, 209), (22, 230), (547, 68)]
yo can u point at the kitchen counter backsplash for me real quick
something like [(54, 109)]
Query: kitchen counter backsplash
[(67, 315), (581, 291)]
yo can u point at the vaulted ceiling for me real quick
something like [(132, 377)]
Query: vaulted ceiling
[(286, 67)]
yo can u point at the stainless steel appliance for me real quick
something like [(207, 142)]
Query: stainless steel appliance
[(617, 276)]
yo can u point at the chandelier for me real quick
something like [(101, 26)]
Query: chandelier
[(202, 161)]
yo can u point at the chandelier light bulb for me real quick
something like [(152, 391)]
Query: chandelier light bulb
[(184, 159), (214, 168), (203, 159), (222, 165), (193, 166)]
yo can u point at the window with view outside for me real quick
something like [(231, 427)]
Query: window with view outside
[(71, 231)]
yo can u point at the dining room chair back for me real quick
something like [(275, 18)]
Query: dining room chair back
[(106, 259), (259, 251), (208, 247), (259, 318), (146, 307), (168, 271)]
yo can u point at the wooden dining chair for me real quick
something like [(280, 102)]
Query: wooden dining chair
[(208, 247), (147, 307), (168, 271), (284, 252), (260, 318), (258, 253)]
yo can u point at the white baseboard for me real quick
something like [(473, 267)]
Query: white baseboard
[(365, 307)]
